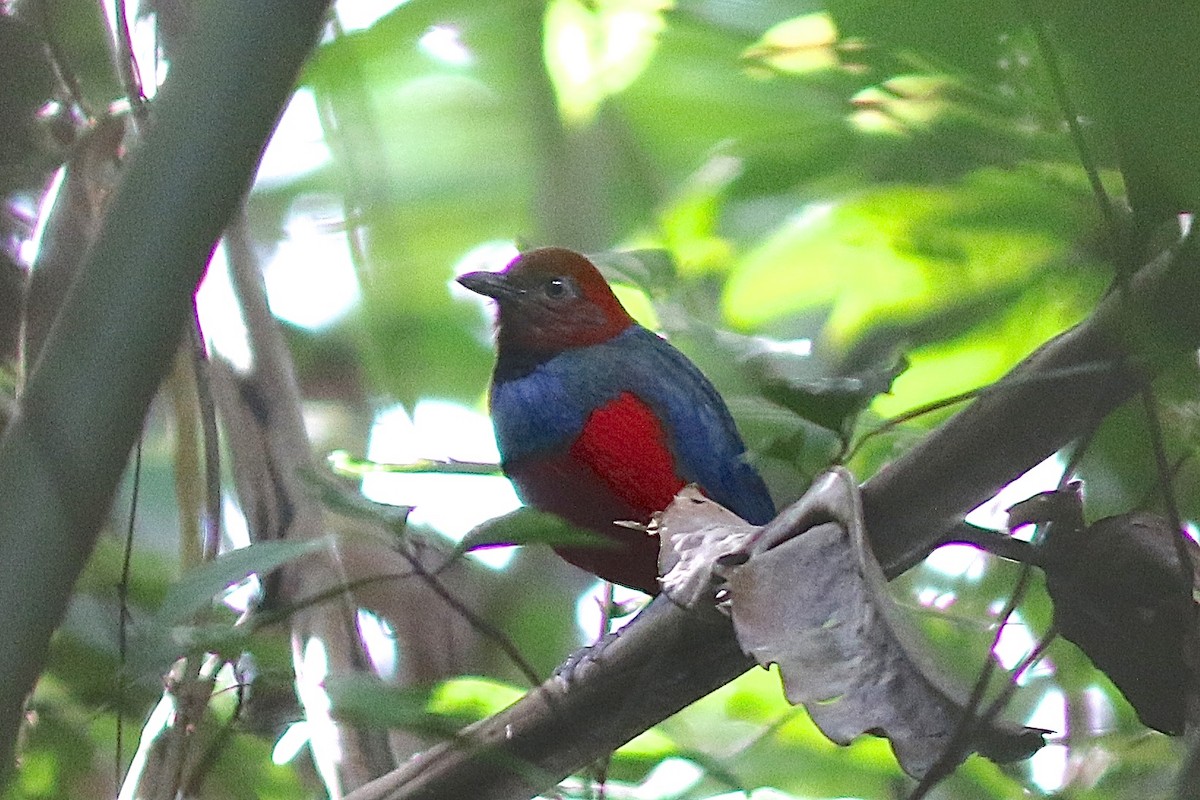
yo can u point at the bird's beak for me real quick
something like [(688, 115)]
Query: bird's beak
[(489, 284)]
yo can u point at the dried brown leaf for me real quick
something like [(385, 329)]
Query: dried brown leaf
[(817, 605), (696, 535), (1122, 596)]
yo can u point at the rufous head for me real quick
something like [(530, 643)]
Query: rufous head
[(550, 299)]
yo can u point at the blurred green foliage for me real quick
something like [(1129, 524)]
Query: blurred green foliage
[(881, 179)]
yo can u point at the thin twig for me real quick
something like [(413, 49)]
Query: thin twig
[(968, 720), (221, 740), (1154, 428), (1147, 498), (1007, 382), (127, 67), (1010, 688), (478, 623), (345, 464), (1125, 267), (70, 82), (600, 767), (211, 441), (1166, 486), (996, 543), (1071, 114), (123, 607)]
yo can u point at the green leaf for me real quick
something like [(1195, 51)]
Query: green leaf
[(529, 526), (800, 44), (830, 401), (895, 253), (82, 40), (473, 697), (366, 700), (197, 587), (347, 501), (618, 38)]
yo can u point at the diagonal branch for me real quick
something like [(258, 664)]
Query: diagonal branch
[(1060, 392), (667, 658), (63, 453)]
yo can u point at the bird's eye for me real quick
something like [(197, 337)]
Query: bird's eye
[(558, 288)]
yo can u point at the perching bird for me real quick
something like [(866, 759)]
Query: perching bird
[(598, 420)]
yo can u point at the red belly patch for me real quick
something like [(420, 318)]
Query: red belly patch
[(625, 445)]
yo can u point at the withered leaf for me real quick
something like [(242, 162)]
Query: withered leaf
[(695, 535), (817, 605), (1122, 596)]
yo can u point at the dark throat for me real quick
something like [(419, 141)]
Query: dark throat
[(513, 363)]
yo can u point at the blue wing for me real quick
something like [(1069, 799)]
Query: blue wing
[(546, 408)]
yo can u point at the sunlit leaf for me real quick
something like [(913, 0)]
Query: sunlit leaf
[(894, 253), (596, 50), (366, 700), (690, 223), (802, 44), (473, 697)]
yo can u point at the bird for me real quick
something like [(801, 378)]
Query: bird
[(598, 419)]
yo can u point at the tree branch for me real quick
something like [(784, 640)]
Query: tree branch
[(1061, 391), (667, 657), (62, 455)]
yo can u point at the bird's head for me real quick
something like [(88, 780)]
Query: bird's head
[(550, 299)]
